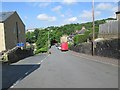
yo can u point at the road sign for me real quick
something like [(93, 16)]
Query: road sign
[(20, 44)]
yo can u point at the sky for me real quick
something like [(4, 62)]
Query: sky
[(44, 14)]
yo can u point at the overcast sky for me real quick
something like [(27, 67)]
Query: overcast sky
[(44, 14)]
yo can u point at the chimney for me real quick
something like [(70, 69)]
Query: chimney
[(118, 12), (118, 15)]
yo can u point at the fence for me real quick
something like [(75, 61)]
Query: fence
[(109, 29)]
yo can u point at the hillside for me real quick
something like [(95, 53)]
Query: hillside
[(40, 36)]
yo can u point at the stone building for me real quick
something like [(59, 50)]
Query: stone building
[(12, 30)]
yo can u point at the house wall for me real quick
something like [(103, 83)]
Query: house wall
[(2, 38), (11, 31), (109, 29), (118, 16)]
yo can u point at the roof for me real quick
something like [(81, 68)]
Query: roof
[(5, 15), (118, 12)]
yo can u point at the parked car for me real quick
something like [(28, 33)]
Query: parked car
[(59, 47)]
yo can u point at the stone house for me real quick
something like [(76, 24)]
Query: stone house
[(12, 30)]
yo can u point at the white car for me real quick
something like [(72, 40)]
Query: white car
[(59, 47)]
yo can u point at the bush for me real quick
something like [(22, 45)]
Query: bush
[(69, 45), (81, 38), (41, 50)]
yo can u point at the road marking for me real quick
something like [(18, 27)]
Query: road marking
[(15, 83), (27, 72), (95, 60), (43, 59)]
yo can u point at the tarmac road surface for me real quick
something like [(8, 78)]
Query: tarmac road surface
[(61, 70)]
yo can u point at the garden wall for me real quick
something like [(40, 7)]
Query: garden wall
[(107, 48)]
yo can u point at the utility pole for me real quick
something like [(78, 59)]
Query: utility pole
[(93, 44), (48, 39)]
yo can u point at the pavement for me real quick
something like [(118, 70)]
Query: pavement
[(17, 71), (105, 60), (61, 70)]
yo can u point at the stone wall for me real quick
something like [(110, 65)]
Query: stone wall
[(107, 48), (82, 48), (18, 54)]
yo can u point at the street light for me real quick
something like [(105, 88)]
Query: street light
[(93, 48)]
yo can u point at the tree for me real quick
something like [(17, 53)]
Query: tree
[(42, 39), (41, 36), (36, 33), (30, 37)]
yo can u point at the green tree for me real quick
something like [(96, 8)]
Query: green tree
[(30, 37), (36, 33), (41, 36)]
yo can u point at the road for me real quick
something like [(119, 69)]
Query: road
[(60, 70)]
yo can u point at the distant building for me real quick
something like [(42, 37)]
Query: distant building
[(77, 32), (30, 30), (70, 38), (64, 38), (82, 31), (12, 30)]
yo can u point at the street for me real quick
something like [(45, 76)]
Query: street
[(60, 70)]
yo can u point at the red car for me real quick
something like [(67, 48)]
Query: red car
[(64, 46)]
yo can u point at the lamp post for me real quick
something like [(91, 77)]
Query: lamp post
[(93, 48)]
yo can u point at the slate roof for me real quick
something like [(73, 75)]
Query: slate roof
[(5, 15)]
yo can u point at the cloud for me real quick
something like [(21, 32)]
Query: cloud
[(35, 4), (112, 16), (69, 13), (45, 17), (115, 9), (104, 6), (62, 15), (71, 20), (57, 8), (38, 0), (26, 17), (97, 13), (88, 14), (109, 7), (69, 2), (44, 4)]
